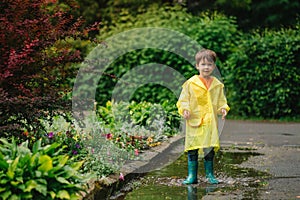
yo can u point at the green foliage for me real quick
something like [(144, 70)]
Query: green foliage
[(263, 75), (211, 30), (252, 14), (57, 130), (80, 144), (107, 10), (126, 129), (155, 117), (247, 96), (37, 173)]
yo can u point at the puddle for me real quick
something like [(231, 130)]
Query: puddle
[(166, 183)]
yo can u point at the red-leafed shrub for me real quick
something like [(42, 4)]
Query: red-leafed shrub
[(36, 61)]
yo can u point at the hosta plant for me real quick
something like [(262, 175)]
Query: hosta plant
[(42, 172)]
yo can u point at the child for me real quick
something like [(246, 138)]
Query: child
[(201, 100)]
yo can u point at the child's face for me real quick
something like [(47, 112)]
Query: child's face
[(205, 67)]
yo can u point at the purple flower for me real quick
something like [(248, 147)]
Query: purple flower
[(77, 146), (68, 134), (74, 152), (50, 135)]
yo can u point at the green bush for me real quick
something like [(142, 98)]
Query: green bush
[(81, 144), (263, 75), (210, 30), (140, 114), (42, 172)]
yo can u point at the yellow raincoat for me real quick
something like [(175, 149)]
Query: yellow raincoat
[(204, 105)]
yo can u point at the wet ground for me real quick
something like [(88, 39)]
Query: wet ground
[(258, 160), (166, 183)]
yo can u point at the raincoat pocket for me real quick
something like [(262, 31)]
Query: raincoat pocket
[(195, 122)]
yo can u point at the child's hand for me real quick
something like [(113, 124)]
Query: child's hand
[(224, 113), (186, 114)]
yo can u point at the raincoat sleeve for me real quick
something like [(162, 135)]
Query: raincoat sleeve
[(183, 102), (222, 102)]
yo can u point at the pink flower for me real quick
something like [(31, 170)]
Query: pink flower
[(108, 136), (93, 150), (122, 144), (136, 152), (121, 177)]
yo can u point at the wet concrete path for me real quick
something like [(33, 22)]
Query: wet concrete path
[(261, 134), (279, 144)]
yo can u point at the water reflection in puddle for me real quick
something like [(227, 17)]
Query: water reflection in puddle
[(166, 183)]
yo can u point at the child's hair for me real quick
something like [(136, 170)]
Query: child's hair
[(207, 54)]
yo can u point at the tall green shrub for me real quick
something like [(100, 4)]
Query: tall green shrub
[(210, 30), (264, 75)]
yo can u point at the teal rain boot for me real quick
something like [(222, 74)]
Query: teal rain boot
[(192, 168), (192, 173), (208, 165)]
